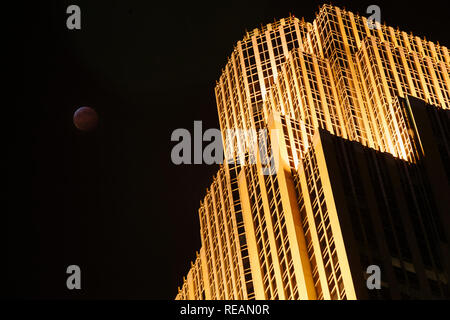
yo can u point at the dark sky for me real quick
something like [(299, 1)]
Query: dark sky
[(111, 201)]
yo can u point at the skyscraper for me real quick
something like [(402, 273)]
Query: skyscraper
[(359, 132)]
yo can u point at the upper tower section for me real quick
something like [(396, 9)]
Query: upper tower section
[(252, 68), (334, 79)]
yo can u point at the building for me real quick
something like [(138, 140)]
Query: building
[(354, 170)]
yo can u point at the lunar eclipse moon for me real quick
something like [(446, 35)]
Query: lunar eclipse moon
[(85, 119)]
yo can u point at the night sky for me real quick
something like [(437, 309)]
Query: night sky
[(111, 201)]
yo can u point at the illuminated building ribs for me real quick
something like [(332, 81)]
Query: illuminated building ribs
[(361, 129)]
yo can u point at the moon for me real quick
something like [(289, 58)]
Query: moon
[(85, 119)]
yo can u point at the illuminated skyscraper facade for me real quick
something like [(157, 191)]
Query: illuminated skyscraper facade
[(358, 123)]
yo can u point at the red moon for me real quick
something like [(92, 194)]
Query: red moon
[(85, 119)]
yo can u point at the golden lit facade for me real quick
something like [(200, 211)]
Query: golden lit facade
[(328, 92)]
